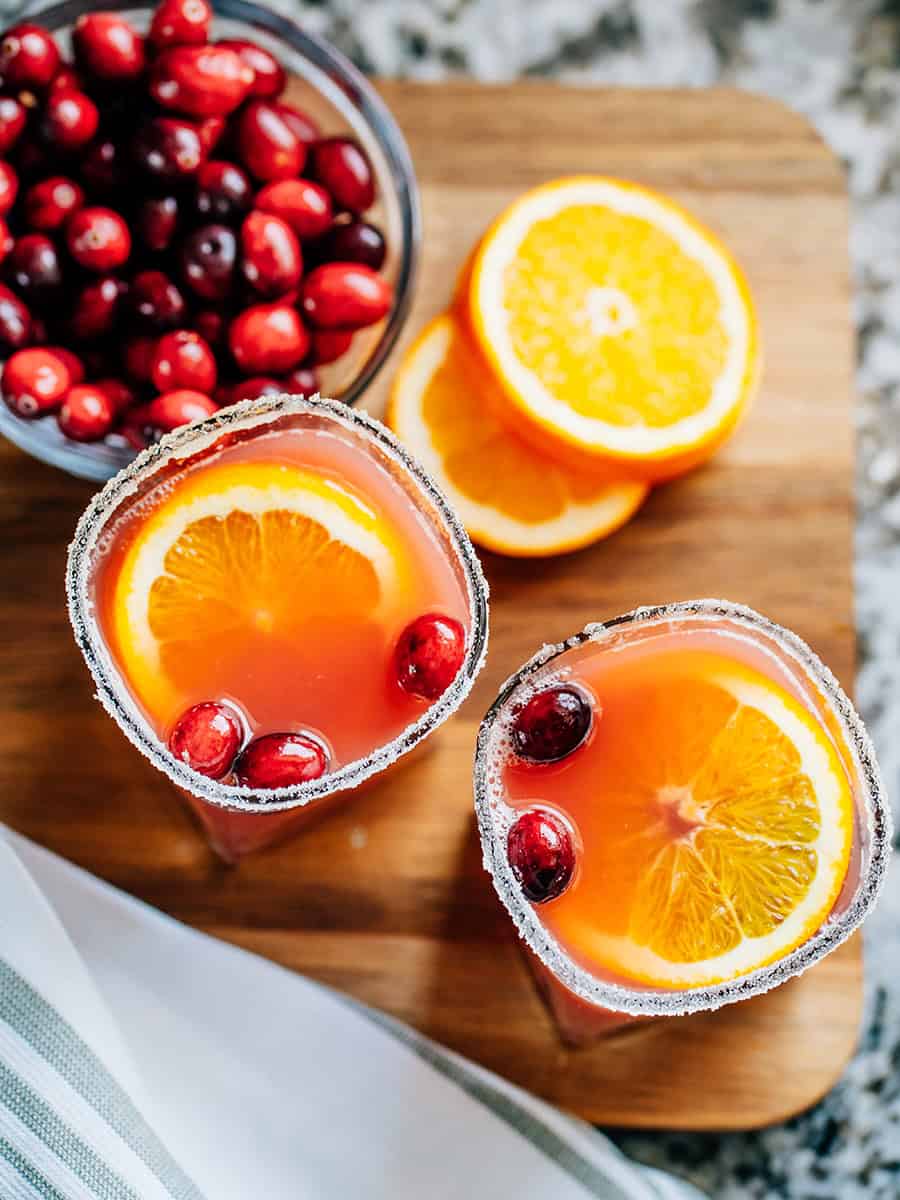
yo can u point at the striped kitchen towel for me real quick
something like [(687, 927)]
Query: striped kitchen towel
[(141, 1060)]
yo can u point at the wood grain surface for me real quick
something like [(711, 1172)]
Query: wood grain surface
[(387, 899)]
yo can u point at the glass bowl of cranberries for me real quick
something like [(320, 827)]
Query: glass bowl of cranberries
[(199, 204)]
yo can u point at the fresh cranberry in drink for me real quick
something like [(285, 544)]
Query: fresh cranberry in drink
[(304, 205), (49, 203), (541, 852), (327, 345), (34, 269), (96, 308), (15, 321), (345, 296), (35, 382), (267, 338), (224, 192), (552, 724), (429, 654), (200, 81), (29, 57), (156, 302), (269, 75), (183, 360), (353, 241), (156, 221), (87, 413), (208, 258), (281, 760), (70, 120), (208, 738), (168, 149), (270, 254), (107, 47), (266, 145), (180, 23), (13, 119), (341, 165), (98, 239)]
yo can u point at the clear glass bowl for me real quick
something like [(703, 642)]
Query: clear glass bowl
[(341, 100)]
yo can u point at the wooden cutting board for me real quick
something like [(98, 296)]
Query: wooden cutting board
[(388, 899)]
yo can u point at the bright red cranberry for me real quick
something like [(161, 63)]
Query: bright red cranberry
[(281, 760), (72, 362), (29, 57), (101, 169), (328, 345), (107, 47), (201, 81), (9, 188), (168, 149), (156, 301), (267, 339), (121, 395), (340, 165), (270, 254), (302, 381), (552, 724), (345, 296), (211, 325), (208, 258), (15, 321), (303, 128), (180, 23), (156, 221), (429, 654), (541, 852), (96, 308), (254, 387), (353, 241), (6, 240), (87, 413), (304, 205), (208, 736), (265, 143), (269, 75), (66, 79), (183, 360), (173, 409), (12, 121), (137, 358), (34, 382), (49, 203), (224, 191), (70, 120), (98, 239), (33, 267)]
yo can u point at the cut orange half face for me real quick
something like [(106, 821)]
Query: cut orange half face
[(619, 328)]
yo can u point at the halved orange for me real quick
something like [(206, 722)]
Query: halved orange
[(619, 328), (511, 498)]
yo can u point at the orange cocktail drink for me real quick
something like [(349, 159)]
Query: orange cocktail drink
[(679, 809), (276, 604)]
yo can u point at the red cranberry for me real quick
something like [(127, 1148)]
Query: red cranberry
[(302, 381), (552, 724), (137, 358), (87, 414), (12, 121), (173, 409), (267, 338), (121, 395), (156, 301), (266, 145), (15, 321), (223, 191), (210, 130), (353, 241), (180, 23), (429, 654), (183, 360), (98, 239), (304, 205), (268, 74), (100, 169), (345, 296), (29, 57), (49, 203), (6, 240), (202, 81), (541, 853), (271, 259), (70, 120), (96, 308), (340, 165), (168, 149), (107, 47), (72, 362), (208, 258), (303, 128), (211, 325), (9, 188), (281, 760), (156, 221), (208, 736), (254, 387), (66, 79), (34, 382), (34, 268), (328, 345)]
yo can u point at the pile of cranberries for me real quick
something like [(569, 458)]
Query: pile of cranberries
[(173, 235)]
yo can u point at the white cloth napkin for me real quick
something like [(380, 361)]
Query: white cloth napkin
[(141, 1060)]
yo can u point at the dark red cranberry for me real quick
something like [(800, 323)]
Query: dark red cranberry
[(328, 345), (70, 120), (281, 760), (49, 203), (224, 192), (183, 360), (107, 47), (552, 724), (340, 165), (429, 654), (72, 362), (171, 410), (208, 258), (12, 121), (156, 301), (29, 57), (302, 381), (270, 254), (87, 413), (208, 736), (34, 382), (156, 221), (66, 79), (137, 358), (168, 149), (304, 205), (345, 296), (353, 241), (98, 238), (9, 188), (34, 269), (303, 128), (96, 308), (269, 76), (119, 392), (180, 23), (254, 387), (267, 339), (265, 143), (201, 81), (541, 852), (6, 240), (101, 170), (211, 325), (15, 321)]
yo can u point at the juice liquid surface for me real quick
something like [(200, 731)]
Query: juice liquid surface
[(332, 674)]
